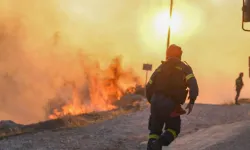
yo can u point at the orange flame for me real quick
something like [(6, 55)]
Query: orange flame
[(104, 88)]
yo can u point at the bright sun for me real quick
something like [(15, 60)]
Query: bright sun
[(162, 21)]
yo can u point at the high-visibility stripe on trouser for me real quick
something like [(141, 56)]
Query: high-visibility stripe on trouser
[(168, 137), (173, 132), (154, 136)]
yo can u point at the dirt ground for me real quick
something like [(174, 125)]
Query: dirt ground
[(125, 132), (227, 136)]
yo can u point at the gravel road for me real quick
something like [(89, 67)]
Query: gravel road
[(229, 137), (125, 132)]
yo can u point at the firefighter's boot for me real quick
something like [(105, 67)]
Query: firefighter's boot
[(154, 144)]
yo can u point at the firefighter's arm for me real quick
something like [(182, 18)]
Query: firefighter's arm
[(149, 86), (192, 84), (151, 79)]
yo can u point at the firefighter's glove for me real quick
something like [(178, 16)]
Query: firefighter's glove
[(191, 100), (189, 107)]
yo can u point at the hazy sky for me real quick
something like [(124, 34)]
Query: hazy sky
[(32, 68), (214, 45)]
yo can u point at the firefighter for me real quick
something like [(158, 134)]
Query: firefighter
[(239, 84), (166, 91)]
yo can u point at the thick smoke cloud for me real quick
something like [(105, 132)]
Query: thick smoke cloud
[(45, 44)]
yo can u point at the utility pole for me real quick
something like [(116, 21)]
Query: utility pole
[(170, 17)]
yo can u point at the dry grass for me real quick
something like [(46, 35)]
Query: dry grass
[(67, 122), (244, 100), (232, 102)]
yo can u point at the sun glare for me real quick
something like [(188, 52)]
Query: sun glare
[(74, 9), (162, 21)]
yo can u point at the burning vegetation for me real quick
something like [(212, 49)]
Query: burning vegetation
[(100, 90), (62, 56)]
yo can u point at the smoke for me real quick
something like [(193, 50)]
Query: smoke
[(213, 43), (49, 48), (219, 51), (47, 44)]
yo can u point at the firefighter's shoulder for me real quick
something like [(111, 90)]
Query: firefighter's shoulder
[(187, 70), (185, 67)]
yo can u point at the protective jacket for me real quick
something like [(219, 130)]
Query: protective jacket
[(172, 78)]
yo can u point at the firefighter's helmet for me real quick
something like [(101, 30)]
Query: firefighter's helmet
[(174, 51)]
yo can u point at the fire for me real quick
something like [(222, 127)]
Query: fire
[(102, 88)]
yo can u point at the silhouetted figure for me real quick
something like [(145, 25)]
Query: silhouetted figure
[(239, 84), (166, 91)]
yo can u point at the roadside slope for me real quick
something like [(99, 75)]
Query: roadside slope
[(125, 132)]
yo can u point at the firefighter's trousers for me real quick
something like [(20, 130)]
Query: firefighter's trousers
[(161, 107)]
